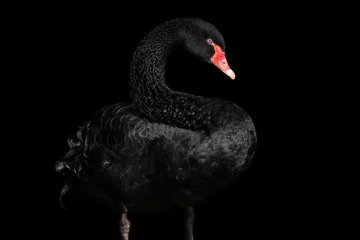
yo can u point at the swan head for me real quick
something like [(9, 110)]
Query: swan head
[(204, 41)]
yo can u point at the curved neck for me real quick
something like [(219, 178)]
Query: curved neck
[(147, 70), (152, 98)]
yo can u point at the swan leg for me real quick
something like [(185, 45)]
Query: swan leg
[(124, 225), (189, 223)]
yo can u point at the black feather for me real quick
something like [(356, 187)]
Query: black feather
[(166, 148)]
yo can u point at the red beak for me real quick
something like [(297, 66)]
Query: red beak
[(220, 61)]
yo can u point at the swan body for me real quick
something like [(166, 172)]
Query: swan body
[(166, 148)]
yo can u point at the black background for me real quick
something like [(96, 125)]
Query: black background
[(279, 55)]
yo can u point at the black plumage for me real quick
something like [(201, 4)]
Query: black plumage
[(167, 148)]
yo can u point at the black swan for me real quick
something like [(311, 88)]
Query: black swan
[(166, 149)]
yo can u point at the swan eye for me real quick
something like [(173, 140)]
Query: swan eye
[(209, 41)]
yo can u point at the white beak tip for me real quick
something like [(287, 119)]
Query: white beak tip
[(231, 74)]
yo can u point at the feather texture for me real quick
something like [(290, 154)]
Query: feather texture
[(166, 148)]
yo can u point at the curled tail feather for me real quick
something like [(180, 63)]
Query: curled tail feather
[(72, 166)]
